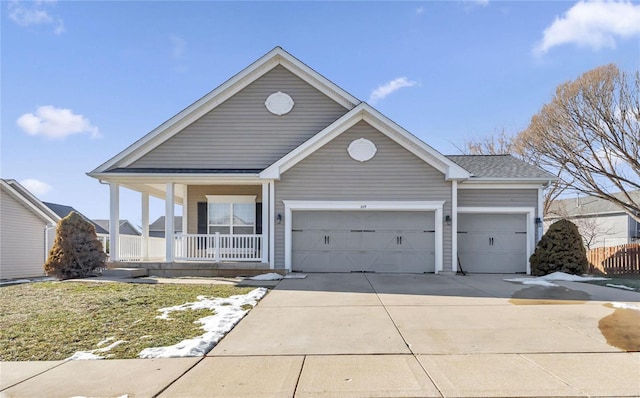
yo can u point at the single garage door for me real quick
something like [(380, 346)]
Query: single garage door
[(377, 241), (492, 243)]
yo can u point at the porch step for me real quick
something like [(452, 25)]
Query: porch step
[(197, 269), (125, 272)]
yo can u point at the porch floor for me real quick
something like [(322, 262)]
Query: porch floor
[(197, 268)]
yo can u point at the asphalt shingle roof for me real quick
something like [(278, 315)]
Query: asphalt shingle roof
[(587, 205), (499, 166), (62, 211)]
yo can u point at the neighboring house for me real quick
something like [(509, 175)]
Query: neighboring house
[(279, 165), (62, 211), (156, 229), (25, 225), (126, 227), (600, 221)]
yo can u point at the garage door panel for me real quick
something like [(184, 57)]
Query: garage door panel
[(382, 241), (492, 243)]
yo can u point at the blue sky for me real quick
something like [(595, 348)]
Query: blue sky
[(83, 80)]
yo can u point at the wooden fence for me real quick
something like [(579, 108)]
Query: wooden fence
[(615, 260)]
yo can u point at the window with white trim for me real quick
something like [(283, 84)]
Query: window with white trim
[(235, 215)]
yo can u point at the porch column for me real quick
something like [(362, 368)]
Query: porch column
[(454, 226), (169, 221), (145, 226), (114, 221), (272, 222), (185, 208), (265, 222)]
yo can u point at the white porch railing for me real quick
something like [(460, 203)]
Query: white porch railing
[(130, 247), (218, 247)]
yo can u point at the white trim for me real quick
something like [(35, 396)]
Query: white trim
[(297, 205), (365, 112), (169, 221), (231, 198), (114, 221), (272, 224), (540, 213), (265, 222), (257, 69), (468, 184), (454, 226), (528, 211)]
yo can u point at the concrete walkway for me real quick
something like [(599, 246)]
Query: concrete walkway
[(340, 335)]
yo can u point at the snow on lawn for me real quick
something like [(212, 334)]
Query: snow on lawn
[(276, 277), (556, 276), (227, 312), (84, 355), (620, 286), (626, 306)]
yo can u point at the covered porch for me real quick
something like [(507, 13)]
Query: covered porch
[(227, 221)]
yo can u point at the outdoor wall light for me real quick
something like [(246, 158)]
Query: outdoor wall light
[(279, 218), (447, 219), (538, 220)]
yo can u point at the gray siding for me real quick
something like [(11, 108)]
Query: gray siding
[(601, 230), (393, 174), (498, 198), (22, 240), (198, 193), (241, 133)]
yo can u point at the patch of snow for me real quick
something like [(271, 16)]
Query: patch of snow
[(272, 276), (295, 276), (626, 306), (88, 355), (531, 281), (227, 312), (105, 341), (620, 286), (562, 276)]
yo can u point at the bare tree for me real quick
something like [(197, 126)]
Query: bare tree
[(590, 134)]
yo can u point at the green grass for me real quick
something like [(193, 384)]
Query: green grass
[(632, 281), (53, 320)]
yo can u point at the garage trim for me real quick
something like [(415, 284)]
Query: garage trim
[(528, 211), (292, 205)]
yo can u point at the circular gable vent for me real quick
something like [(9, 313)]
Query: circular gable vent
[(279, 103), (362, 149)]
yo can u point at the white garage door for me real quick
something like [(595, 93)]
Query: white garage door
[(378, 241), (492, 243)]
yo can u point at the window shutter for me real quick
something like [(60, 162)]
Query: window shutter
[(258, 218), (202, 217)]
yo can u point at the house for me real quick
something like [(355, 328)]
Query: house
[(63, 210), (282, 169), (156, 229), (126, 227), (25, 228), (601, 222)]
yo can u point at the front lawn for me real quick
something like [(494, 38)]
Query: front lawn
[(632, 282), (54, 320)]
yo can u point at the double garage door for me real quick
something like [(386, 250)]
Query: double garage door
[(354, 241), (492, 243)]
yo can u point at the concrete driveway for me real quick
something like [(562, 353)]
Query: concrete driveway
[(341, 335), (421, 335)]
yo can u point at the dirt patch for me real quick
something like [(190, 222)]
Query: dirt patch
[(622, 328), (543, 295)]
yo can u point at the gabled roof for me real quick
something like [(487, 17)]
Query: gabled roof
[(21, 194), (126, 227), (380, 122), (62, 211), (158, 225), (500, 167), (273, 58), (588, 205)]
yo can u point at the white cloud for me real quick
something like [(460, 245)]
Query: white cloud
[(35, 13), (420, 10), (56, 123), (594, 24), (36, 187), (178, 46), (394, 85)]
